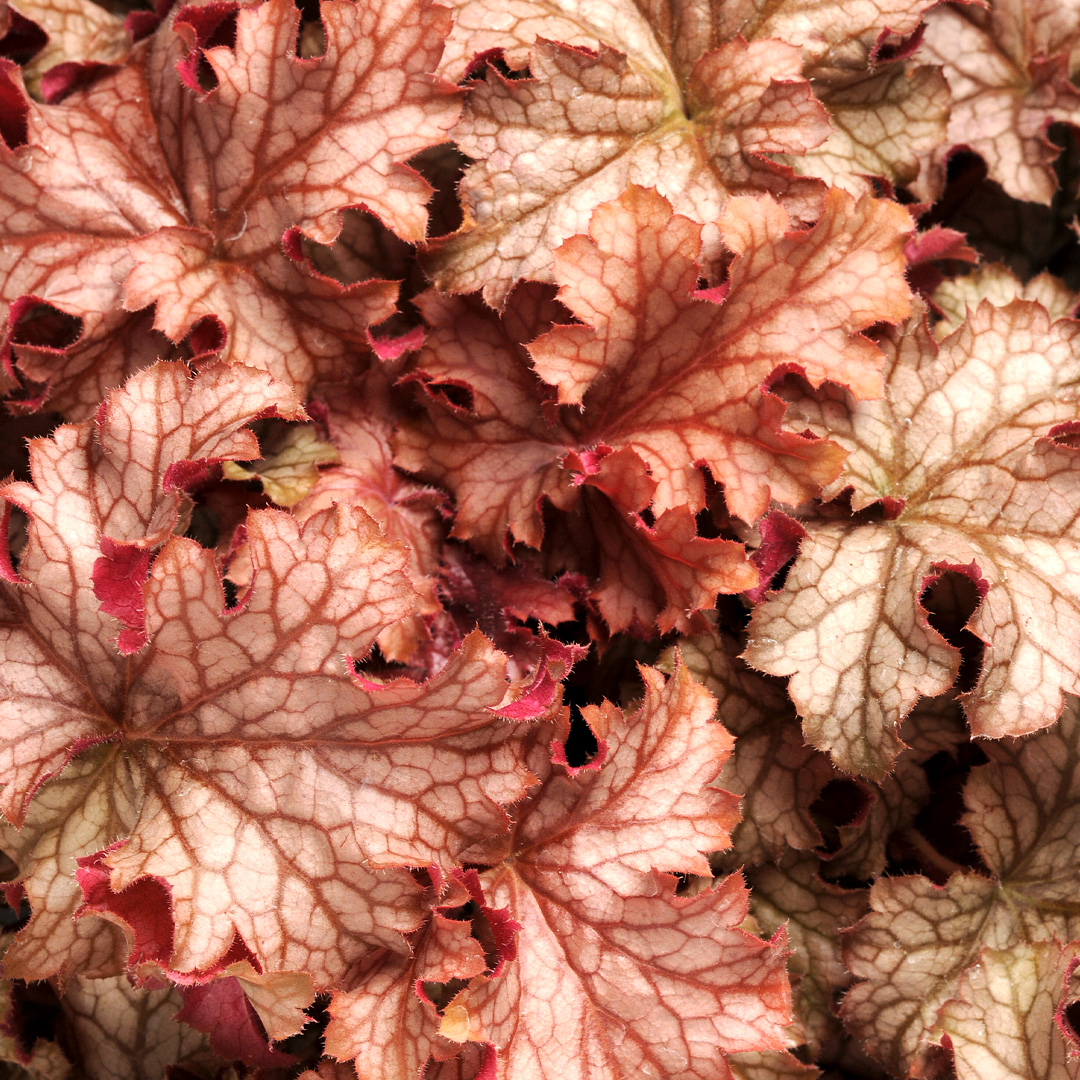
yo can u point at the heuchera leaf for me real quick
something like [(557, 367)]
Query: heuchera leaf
[(1008, 70), (139, 191), (359, 420), (923, 945), (79, 31), (791, 894), (615, 974), (37, 1057), (996, 283), (699, 105), (933, 726), (130, 1033), (1007, 1019), (776, 774), (203, 750), (963, 451), (553, 147), (390, 1025), (660, 369)]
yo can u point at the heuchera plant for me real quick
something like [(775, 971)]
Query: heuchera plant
[(542, 540)]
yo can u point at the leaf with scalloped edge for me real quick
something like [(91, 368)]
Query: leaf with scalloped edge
[(81, 34), (204, 747), (885, 122), (359, 418), (699, 102), (775, 773), (615, 974), (922, 945), (674, 374), (792, 894), (155, 195), (1008, 66), (933, 726), (962, 456), (389, 1025), (829, 35), (955, 297), (1006, 1020), (664, 573), (37, 1057), (551, 148)]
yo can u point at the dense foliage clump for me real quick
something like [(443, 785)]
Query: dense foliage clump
[(543, 540)]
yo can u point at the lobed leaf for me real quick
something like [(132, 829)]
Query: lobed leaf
[(615, 973), (922, 946), (236, 754), (1008, 71), (671, 374), (138, 192), (964, 454)]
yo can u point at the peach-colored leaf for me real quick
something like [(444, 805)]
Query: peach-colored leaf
[(1004, 1020), (551, 148), (673, 374), (200, 753), (501, 455), (104, 478), (615, 974), (885, 121), (777, 776), (791, 893), (359, 419), (963, 457), (198, 202), (71, 199), (922, 944), (957, 296), (78, 31), (35, 1057), (125, 1032), (700, 102), (660, 574), (389, 1025), (1008, 70)]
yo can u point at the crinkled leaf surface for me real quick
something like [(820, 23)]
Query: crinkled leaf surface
[(1008, 70), (695, 101), (359, 419), (776, 774), (1005, 1021), (139, 191), (923, 945), (584, 125), (389, 1025), (791, 893), (78, 30), (657, 368), (128, 1033), (615, 975), (829, 35), (963, 449), (236, 752)]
